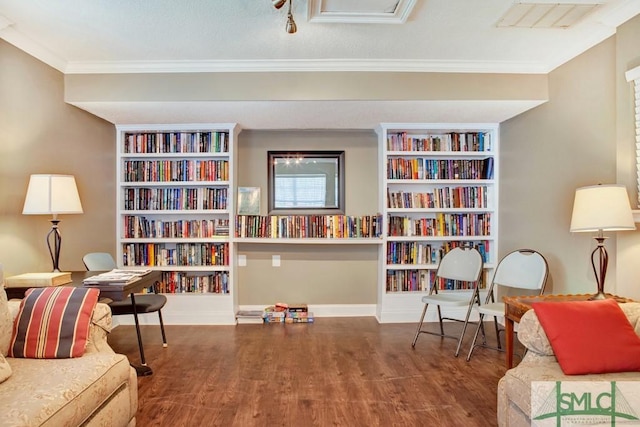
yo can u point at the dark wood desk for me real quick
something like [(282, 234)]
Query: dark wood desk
[(515, 307), (113, 293)]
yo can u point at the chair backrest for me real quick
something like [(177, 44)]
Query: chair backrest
[(99, 261), (522, 269), (461, 264)]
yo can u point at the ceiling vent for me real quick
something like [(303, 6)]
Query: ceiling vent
[(360, 11), (547, 13)]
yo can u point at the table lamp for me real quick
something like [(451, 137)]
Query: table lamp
[(601, 208), (52, 195)]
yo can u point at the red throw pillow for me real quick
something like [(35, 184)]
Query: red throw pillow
[(590, 337), (53, 323)]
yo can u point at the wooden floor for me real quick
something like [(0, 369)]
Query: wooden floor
[(336, 372)]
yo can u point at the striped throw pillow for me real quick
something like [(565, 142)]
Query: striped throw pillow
[(53, 323)]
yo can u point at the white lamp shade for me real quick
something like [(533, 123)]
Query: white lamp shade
[(52, 194), (602, 208)]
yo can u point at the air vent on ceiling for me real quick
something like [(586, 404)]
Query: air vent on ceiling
[(360, 11), (547, 14)]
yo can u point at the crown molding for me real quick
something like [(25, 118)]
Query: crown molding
[(10, 35)]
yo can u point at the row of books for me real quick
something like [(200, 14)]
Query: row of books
[(452, 141), (445, 197), (279, 313), (422, 280), (288, 317), (176, 170), (425, 168), (443, 225), (176, 142), (154, 199), (141, 227), (401, 253), (309, 226), (184, 254), (176, 282)]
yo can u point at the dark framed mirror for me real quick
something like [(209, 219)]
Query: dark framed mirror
[(306, 182)]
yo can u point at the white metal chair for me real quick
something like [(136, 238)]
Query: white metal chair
[(523, 270), (460, 264), (144, 303)]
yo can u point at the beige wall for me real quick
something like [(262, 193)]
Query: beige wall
[(628, 249), (304, 86), (547, 153), (39, 133), (315, 274)]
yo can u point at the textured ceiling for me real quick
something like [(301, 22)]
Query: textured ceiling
[(456, 34), (111, 36)]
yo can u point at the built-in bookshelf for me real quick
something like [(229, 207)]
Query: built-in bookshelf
[(438, 190), (175, 212)]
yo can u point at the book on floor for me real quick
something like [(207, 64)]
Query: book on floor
[(36, 280), (249, 316), (250, 320)]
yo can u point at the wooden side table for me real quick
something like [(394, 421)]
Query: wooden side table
[(515, 307)]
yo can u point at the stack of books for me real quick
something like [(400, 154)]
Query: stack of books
[(299, 313), (115, 278), (274, 314), (249, 317), (288, 313)]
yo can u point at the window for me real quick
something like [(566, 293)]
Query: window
[(306, 182)]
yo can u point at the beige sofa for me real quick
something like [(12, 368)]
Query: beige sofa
[(540, 364), (98, 389)]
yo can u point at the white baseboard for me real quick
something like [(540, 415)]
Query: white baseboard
[(203, 317), (331, 310)]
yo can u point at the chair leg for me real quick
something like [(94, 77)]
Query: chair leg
[(495, 324), (164, 336), (466, 322), (475, 336), (440, 321), (415, 339)]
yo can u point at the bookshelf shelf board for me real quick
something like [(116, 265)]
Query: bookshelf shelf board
[(212, 239), (178, 212), (443, 154), (411, 266), (199, 268), (198, 295), (126, 184), (487, 266), (412, 294), (437, 238), (457, 182), (310, 241), (151, 156), (438, 210)]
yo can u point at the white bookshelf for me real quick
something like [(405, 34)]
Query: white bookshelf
[(436, 175), (175, 213)]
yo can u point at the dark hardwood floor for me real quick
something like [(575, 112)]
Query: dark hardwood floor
[(336, 372)]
